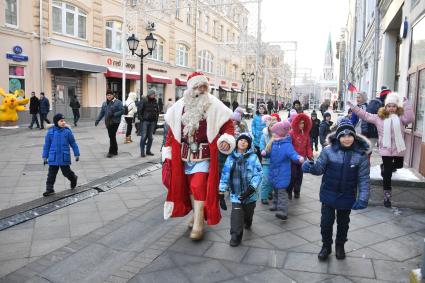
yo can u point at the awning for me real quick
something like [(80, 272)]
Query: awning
[(225, 89), (180, 82), (213, 87), (236, 90), (63, 64), (117, 73), (158, 79)]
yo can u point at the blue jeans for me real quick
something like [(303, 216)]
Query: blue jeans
[(146, 130)]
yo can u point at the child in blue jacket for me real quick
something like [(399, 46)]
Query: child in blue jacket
[(266, 187), (241, 175), (281, 153), (345, 167), (56, 153), (257, 127)]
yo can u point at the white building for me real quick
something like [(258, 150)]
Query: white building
[(328, 82)]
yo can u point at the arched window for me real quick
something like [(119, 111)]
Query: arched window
[(68, 19), (113, 35), (182, 55), (158, 52), (205, 61)]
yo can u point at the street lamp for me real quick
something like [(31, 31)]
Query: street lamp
[(133, 43), (275, 87), (247, 78)]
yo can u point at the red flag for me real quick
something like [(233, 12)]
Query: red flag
[(351, 87)]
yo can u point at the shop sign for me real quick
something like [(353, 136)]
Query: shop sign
[(118, 63), (157, 70), (223, 82), (235, 84), (16, 56)]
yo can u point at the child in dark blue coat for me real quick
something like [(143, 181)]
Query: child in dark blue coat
[(281, 152), (345, 167), (241, 176), (56, 153)]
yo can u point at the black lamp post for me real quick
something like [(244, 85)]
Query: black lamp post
[(275, 87), (247, 78), (133, 43)]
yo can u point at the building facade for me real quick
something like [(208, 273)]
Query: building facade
[(75, 48), (328, 82)]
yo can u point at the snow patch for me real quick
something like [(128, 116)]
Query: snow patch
[(402, 174)]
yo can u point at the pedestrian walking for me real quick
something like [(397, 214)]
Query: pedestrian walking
[(345, 168), (130, 111), (281, 153), (241, 176), (160, 105), (325, 128), (257, 127), (44, 110), (266, 187), (296, 105), (270, 105), (34, 110), (235, 105), (148, 116), (57, 154), (314, 133), (111, 110), (390, 123), (300, 134), (75, 106)]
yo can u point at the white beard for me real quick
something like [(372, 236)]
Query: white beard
[(195, 109)]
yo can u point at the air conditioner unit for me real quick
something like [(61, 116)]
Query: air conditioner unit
[(150, 26)]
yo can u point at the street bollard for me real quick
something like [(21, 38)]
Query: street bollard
[(418, 275)]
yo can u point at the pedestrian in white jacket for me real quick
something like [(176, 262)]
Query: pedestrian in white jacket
[(130, 104)]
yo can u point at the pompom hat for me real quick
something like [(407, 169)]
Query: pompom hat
[(281, 129), (245, 136), (345, 127)]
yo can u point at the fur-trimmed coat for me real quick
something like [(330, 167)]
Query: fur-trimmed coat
[(219, 128), (345, 171), (301, 139)]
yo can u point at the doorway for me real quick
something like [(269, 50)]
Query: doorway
[(65, 89)]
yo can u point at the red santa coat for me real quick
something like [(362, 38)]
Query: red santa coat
[(219, 128), (301, 140)]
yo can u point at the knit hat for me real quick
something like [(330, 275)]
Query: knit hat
[(292, 114), (384, 91), (196, 79), (326, 114), (345, 128), (236, 116), (57, 118), (281, 129), (394, 98), (244, 136), (276, 116), (151, 91), (313, 113)]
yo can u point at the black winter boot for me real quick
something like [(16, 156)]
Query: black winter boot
[(235, 240), (74, 182), (324, 253), (339, 251)]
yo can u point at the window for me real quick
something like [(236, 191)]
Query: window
[(417, 56), (113, 35), (207, 24), (214, 29), (16, 78), (68, 19), (222, 69), (420, 107), (220, 33), (228, 36), (11, 12), (189, 15), (178, 9), (205, 61), (158, 52), (234, 72), (198, 20), (182, 55)]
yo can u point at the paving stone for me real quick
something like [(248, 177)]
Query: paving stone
[(257, 243), (388, 230), (242, 269), (367, 253), (269, 275), (43, 247), (305, 262), (15, 236), (304, 276), (15, 251), (171, 275), (337, 279), (266, 257), (265, 228), (7, 266), (285, 240), (313, 248), (393, 271), (311, 233), (225, 252), (209, 271), (396, 250), (366, 237), (187, 246), (352, 266), (50, 233)]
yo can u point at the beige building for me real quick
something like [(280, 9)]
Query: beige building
[(81, 48)]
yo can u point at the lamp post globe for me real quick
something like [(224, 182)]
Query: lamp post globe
[(150, 42), (133, 43)]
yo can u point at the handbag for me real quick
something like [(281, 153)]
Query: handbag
[(166, 173)]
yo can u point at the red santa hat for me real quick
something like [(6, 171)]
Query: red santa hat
[(196, 79)]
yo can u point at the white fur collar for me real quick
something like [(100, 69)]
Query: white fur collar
[(217, 115)]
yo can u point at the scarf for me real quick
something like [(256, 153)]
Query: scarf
[(239, 184), (398, 137)]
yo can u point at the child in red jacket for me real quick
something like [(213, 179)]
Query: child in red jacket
[(300, 134)]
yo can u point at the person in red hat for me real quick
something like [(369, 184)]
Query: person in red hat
[(200, 127)]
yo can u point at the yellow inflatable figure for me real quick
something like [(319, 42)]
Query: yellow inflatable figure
[(10, 106)]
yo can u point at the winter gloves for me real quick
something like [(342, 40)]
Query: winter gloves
[(306, 167), (359, 204), (77, 158), (222, 202), (44, 161), (247, 193), (96, 123)]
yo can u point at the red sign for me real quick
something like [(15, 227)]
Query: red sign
[(223, 82), (235, 84)]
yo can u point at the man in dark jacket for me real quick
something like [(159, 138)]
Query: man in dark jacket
[(296, 105), (270, 106), (148, 116), (75, 106), (44, 109), (112, 110), (314, 132), (370, 129), (34, 108), (235, 105), (325, 128)]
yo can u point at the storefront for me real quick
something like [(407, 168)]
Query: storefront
[(181, 86), (17, 63), (159, 84), (415, 142), (114, 82)]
